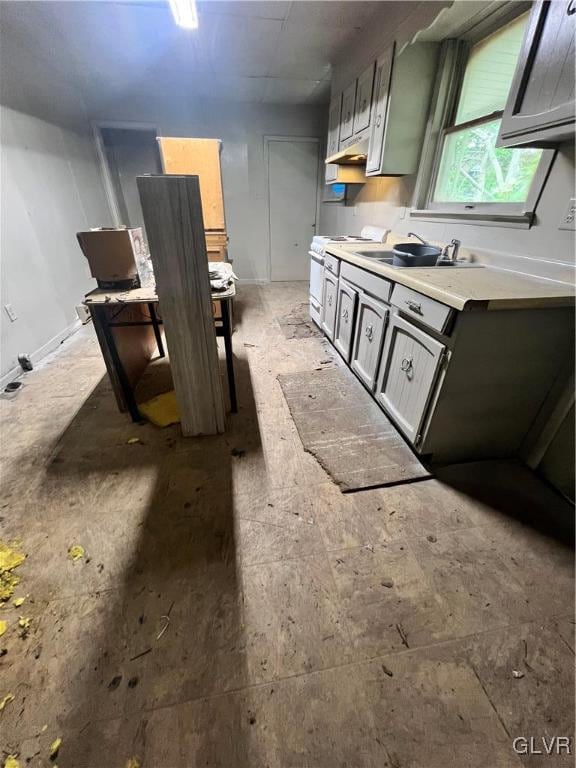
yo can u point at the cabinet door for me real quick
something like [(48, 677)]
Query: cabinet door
[(380, 111), (408, 372), (368, 336), (363, 99), (330, 293), (334, 126), (540, 106), (345, 317), (347, 120)]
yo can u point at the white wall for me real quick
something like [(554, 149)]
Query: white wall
[(50, 189), (242, 128)]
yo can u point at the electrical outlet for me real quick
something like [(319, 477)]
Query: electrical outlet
[(569, 218), (10, 312)]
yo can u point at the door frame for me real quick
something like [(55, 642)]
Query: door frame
[(105, 172), (267, 141)]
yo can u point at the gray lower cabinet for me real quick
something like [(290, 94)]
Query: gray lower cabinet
[(371, 321), (345, 316), (540, 106), (330, 293), (408, 373)]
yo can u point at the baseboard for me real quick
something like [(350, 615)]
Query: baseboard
[(252, 281), (42, 352)]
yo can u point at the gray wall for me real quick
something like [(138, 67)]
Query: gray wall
[(51, 188), (242, 128)]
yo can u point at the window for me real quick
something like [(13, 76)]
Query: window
[(470, 176)]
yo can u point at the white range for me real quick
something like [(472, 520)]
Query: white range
[(317, 251)]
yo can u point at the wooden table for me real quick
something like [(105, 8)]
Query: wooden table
[(127, 325)]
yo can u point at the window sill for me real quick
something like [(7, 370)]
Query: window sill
[(481, 219)]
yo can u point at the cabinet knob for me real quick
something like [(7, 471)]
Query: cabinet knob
[(369, 332), (378, 121), (406, 365), (414, 306), (345, 315), (330, 301), (571, 10)]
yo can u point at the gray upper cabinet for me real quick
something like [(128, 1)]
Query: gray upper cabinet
[(363, 100), (347, 119), (408, 373), (368, 337), (404, 83), (345, 317), (330, 293), (334, 125), (540, 107), (380, 110)]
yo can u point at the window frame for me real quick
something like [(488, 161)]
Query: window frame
[(455, 52)]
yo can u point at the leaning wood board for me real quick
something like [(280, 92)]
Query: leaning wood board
[(173, 218), (341, 425), (198, 157)]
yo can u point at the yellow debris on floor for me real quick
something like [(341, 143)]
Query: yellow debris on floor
[(11, 762), (133, 762), (18, 602), (3, 627), (6, 700), (75, 552), (55, 746), (9, 560), (162, 410)]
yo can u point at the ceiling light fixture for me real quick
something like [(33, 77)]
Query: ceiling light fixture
[(184, 13)]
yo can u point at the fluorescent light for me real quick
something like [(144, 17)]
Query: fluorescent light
[(184, 13)]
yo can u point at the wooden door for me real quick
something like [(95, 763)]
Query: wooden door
[(345, 317), (293, 193), (347, 120), (380, 111), (363, 99), (334, 126), (330, 293), (368, 336), (540, 107), (408, 373)]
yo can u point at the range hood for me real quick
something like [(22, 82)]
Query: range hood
[(355, 154)]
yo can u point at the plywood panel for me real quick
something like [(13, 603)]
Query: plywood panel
[(198, 157), (173, 218)]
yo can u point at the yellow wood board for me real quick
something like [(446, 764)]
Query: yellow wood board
[(198, 157)]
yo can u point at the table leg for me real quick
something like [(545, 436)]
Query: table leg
[(127, 392), (227, 333), (156, 326)]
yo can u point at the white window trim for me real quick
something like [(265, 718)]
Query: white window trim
[(453, 58)]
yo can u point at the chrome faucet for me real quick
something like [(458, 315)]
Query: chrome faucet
[(413, 234), (455, 246)]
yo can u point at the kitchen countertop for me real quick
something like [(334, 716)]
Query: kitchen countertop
[(466, 288)]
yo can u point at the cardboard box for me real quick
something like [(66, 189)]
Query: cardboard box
[(113, 254)]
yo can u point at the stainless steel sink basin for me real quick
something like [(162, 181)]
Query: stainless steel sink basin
[(386, 256)]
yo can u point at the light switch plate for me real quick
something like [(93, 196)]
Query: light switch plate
[(10, 312), (569, 218)]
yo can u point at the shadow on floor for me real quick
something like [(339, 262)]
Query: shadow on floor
[(155, 616)]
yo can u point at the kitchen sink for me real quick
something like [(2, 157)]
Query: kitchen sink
[(387, 257)]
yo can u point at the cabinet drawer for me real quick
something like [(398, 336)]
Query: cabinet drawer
[(406, 381), (376, 286), (369, 334), (332, 264), (345, 317), (427, 311)]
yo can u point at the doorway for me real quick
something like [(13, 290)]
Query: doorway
[(293, 166), (126, 153)]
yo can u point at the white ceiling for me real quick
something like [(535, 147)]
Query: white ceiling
[(255, 50)]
